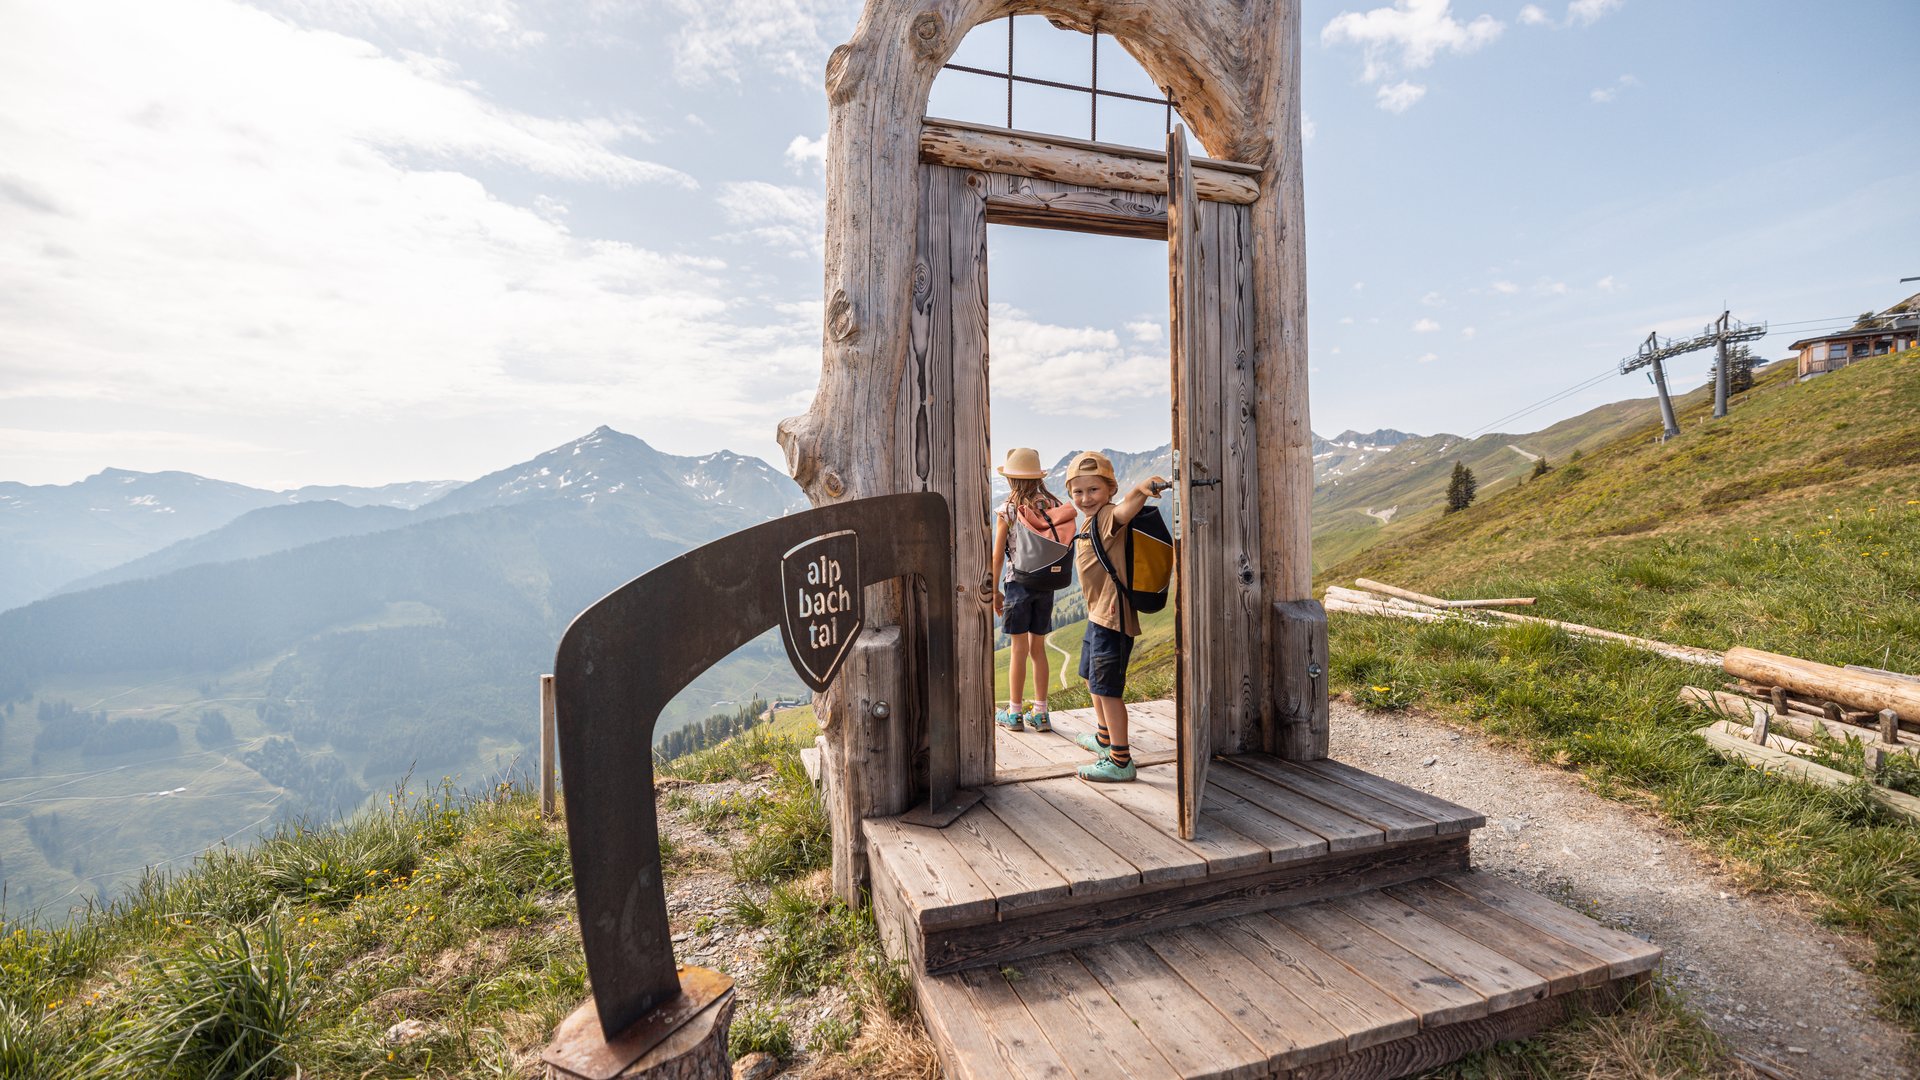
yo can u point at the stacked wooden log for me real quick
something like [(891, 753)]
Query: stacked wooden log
[(1775, 710)]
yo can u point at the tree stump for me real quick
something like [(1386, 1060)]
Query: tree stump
[(695, 1051)]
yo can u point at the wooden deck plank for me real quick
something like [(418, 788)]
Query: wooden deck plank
[(1057, 770), (1436, 996), (1285, 841), (1089, 866), (1563, 966), (1502, 980), (1196, 1039), (1160, 717), (1398, 822), (1147, 909), (1019, 1044), (1625, 954), (1225, 849), (934, 881), (967, 1049), (1448, 817), (1011, 751), (1365, 1012), (1009, 867), (1158, 856), (1083, 1022), (1342, 832), (1145, 740), (1283, 1024)]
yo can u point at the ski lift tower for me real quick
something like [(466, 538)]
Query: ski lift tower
[(1654, 353)]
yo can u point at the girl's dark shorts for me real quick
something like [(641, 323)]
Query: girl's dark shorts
[(1103, 660), (1026, 611)]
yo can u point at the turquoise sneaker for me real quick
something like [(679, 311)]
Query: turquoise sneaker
[(1105, 771), (1008, 719), (1090, 741), (1038, 718)]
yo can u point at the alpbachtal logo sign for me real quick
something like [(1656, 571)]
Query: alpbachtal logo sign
[(822, 604)]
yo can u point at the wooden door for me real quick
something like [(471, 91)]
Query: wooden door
[(1186, 274)]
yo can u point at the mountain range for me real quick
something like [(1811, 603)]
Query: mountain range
[(292, 658)]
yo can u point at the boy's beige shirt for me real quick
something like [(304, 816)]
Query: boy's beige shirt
[(1103, 600)]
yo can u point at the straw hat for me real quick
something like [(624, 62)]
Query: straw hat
[(1092, 463), (1023, 463)]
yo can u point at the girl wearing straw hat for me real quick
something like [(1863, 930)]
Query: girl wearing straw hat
[(1036, 528)]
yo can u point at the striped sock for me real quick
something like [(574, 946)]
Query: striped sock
[(1120, 754), (1105, 739)]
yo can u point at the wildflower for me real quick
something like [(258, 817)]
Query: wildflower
[(1380, 689)]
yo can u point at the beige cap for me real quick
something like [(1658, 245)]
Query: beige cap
[(1091, 463), (1023, 463)]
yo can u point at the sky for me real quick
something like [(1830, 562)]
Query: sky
[(285, 242)]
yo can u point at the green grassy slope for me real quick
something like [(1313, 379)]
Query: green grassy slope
[(1793, 525), (1414, 476)]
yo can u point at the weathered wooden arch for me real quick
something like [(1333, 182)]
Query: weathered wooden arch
[(1233, 69)]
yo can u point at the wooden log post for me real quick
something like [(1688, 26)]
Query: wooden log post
[(1300, 658), (866, 756), (695, 1051), (1779, 696), (1858, 689), (1761, 721), (548, 793), (1889, 727)]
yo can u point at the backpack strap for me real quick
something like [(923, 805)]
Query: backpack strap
[(1092, 536)]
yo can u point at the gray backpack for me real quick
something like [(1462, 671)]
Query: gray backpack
[(1040, 546)]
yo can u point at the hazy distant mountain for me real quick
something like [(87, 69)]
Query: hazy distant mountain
[(344, 647), (693, 493), (1350, 439), (51, 534), (252, 534), (408, 495)]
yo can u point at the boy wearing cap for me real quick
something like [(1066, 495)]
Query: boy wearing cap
[(1112, 623)]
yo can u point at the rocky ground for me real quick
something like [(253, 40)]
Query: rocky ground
[(1784, 992)]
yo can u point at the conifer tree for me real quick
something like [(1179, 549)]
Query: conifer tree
[(1460, 489), (1540, 466)]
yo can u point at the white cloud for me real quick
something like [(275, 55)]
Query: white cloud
[(1335, 351), (1468, 332), (1425, 326), (497, 24), (253, 217), (1408, 35), (723, 40), (1588, 12), (1531, 15), (1359, 286), (1149, 331), (1505, 288), (1308, 129), (1428, 358), (1604, 94), (1079, 371), (1399, 97), (1346, 320), (1434, 299), (1551, 288), (792, 219), (802, 152), (1607, 284)]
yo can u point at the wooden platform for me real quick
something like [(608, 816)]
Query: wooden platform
[(1323, 923), (1379, 985), (1045, 864)]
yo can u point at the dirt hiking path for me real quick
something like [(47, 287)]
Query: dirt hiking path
[(1776, 986)]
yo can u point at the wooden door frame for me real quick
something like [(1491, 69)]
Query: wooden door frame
[(944, 392)]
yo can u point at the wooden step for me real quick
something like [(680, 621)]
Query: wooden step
[(1047, 864), (1379, 984)]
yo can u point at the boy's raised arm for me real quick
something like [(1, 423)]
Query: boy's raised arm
[(1124, 510)]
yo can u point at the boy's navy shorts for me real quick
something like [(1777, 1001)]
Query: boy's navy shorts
[(1103, 660), (1026, 611)]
